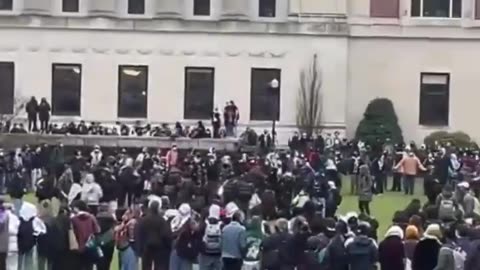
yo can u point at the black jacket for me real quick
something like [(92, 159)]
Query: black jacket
[(425, 255)]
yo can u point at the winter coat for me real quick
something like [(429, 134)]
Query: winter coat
[(410, 248), (44, 111), (446, 260), (4, 235), (32, 107), (473, 259), (365, 189), (391, 253), (426, 254), (91, 193), (335, 254), (153, 232), (362, 253)]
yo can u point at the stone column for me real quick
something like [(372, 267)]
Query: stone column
[(102, 8), (235, 10), (36, 7), (169, 9)]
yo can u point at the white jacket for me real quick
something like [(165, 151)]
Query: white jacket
[(91, 193), (13, 224)]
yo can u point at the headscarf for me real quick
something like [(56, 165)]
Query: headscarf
[(394, 231), (214, 211), (184, 214), (230, 209)]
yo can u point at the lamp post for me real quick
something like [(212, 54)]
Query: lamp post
[(273, 87)]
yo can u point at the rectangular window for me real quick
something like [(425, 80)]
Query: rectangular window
[(436, 8), (7, 86), (6, 4), (434, 99), (267, 8), (70, 6), (66, 89), (136, 6), (132, 91), (199, 89), (384, 8), (265, 99), (201, 7)]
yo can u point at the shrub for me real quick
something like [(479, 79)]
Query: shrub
[(459, 139), (379, 123)]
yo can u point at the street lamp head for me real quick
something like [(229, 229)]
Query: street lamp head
[(274, 84)]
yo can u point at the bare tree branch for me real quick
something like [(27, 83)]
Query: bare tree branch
[(19, 104), (309, 98)]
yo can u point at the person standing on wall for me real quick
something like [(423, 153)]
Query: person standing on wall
[(32, 114), (44, 114)]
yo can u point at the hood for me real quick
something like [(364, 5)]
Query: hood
[(214, 211), (394, 231), (230, 209), (89, 178)]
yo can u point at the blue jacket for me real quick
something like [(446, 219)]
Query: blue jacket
[(234, 240)]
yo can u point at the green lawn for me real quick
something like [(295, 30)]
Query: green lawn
[(382, 207)]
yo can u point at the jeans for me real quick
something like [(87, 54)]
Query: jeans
[(12, 260), (178, 263), (36, 174), (364, 207), (44, 263), (353, 184), (409, 184), (397, 182), (128, 259), (25, 261), (206, 262), (232, 264)]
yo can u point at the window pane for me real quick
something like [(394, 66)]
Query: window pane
[(199, 91), (415, 8), (66, 89), (456, 8), (264, 100), (267, 8), (436, 8), (201, 7), (434, 100), (136, 6), (6, 4), (7, 83), (70, 6), (132, 91)]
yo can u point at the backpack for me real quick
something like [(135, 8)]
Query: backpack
[(212, 239), (25, 237), (447, 209), (459, 257)]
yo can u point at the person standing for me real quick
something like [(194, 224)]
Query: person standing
[(364, 189), (410, 165), (209, 258), (234, 243), (216, 123), (361, 250), (106, 221), (44, 114), (391, 251), (380, 173), (32, 113)]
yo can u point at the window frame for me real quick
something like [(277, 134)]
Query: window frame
[(186, 114), (53, 89), (120, 113), (421, 119), (69, 11), (202, 15), (11, 108), (12, 6), (276, 102), (136, 14), (422, 11), (275, 7)]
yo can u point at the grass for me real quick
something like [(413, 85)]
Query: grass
[(382, 207)]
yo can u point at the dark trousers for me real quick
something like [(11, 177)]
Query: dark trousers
[(397, 182), (44, 124), (62, 261), (106, 260), (127, 195), (380, 183), (364, 207), (80, 262), (154, 258), (232, 264), (409, 184), (3, 261), (32, 122)]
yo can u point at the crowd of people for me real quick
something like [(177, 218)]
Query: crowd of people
[(40, 112), (264, 210)]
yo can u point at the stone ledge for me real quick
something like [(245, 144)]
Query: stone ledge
[(15, 140)]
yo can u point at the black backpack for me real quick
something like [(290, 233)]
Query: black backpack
[(26, 239), (48, 243)]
